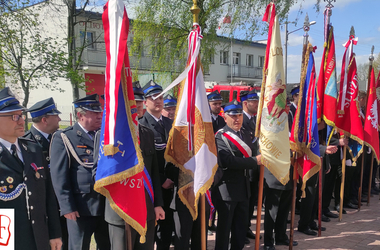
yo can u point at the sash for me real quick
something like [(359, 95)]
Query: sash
[(239, 143), (148, 184)]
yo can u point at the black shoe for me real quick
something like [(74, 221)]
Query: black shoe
[(355, 201), (253, 217), (315, 227), (373, 191), (250, 234), (376, 189), (286, 243), (350, 205), (269, 248), (325, 218), (246, 241), (337, 208), (288, 221), (308, 231), (331, 215)]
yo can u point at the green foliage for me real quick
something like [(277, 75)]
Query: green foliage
[(161, 27), (362, 69), (27, 55)]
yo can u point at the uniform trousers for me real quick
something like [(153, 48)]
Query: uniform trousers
[(308, 208), (164, 230), (277, 206), (328, 188), (81, 230), (119, 241), (232, 218)]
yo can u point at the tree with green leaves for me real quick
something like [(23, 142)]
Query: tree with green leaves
[(27, 55), (161, 27)]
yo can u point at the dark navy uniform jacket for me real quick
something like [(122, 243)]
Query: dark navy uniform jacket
[(43, 224), (35, 135), (218, 123), (234, 184), (161, 135), (73, 183)]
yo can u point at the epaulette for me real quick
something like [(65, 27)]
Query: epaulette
[(219, 131), (67, 129)]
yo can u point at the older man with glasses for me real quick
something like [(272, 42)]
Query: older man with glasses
[(25, 181)]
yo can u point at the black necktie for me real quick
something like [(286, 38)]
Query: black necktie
[(15, 155), (239, 134), (92, 134), (49, 137)]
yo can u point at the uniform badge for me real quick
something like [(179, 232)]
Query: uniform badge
[(24, 146), (235, 102), (38, 137), (97, 98), (3, 189), (47, 158), (169, 97), (9, 179), (34, 166), (38, 175), (85, 160), (152, 83), (10, 186), (138, 85), (79, 133), (88, 151)]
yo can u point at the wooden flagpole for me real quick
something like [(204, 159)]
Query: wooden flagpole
[(342, 183), (361, 183), (259, 207), (320, 199), (195, 10), (371, 58), (295, 178)]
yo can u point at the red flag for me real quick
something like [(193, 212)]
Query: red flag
[(348, 118), (371, 132), (378, 99)]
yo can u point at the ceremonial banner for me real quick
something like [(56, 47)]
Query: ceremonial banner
[(327, 85), (348, 116), (120, 174), (304, 134), (378, 99), (191, 144), (272, 118), (371, 123)]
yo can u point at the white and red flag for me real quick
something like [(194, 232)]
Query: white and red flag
[(371, 123), (121, 176)]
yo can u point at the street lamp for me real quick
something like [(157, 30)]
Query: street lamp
[(305, 25)]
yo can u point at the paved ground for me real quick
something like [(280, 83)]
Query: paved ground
[(358, 230)]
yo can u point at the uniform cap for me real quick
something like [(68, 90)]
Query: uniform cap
[(151, 88), (44, 107), (138, 91), (169, 101), (233, 108), (90, 103), (214, 96), (8, 101)]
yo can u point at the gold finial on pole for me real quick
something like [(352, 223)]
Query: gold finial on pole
[(195, 10)]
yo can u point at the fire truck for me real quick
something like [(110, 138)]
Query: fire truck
[(231, 91)]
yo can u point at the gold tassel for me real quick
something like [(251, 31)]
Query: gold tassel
[(110, 150)]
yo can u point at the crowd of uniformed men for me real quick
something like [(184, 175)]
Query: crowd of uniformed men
[(47, 175)]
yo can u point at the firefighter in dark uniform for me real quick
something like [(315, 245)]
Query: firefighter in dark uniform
[(170, 104), (231, 193), (215, 102), (293, 106), (71, 155), (45, 118), (250, 101), (116, 224), (160, 125), (25, 183)]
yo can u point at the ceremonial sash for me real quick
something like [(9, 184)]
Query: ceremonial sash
[(239, 143), (148, 184)]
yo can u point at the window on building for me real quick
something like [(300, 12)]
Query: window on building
[(225, 96), (236, 58), (89, 36), (261, 61), (249, 62), (223, 57), (212, 59)]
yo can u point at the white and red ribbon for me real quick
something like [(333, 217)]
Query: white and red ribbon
[(239, 143)]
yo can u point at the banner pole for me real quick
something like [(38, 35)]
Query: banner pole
[(259, 207), (320, 200), (128, 236), (203, 222), (295, 178), (342, 184)]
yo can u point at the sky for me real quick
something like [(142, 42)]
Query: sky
[(362, 14)]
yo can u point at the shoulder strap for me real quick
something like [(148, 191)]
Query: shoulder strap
[(69, 148), (227, 143)]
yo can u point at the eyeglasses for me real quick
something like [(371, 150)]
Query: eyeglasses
[(15, 118)]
